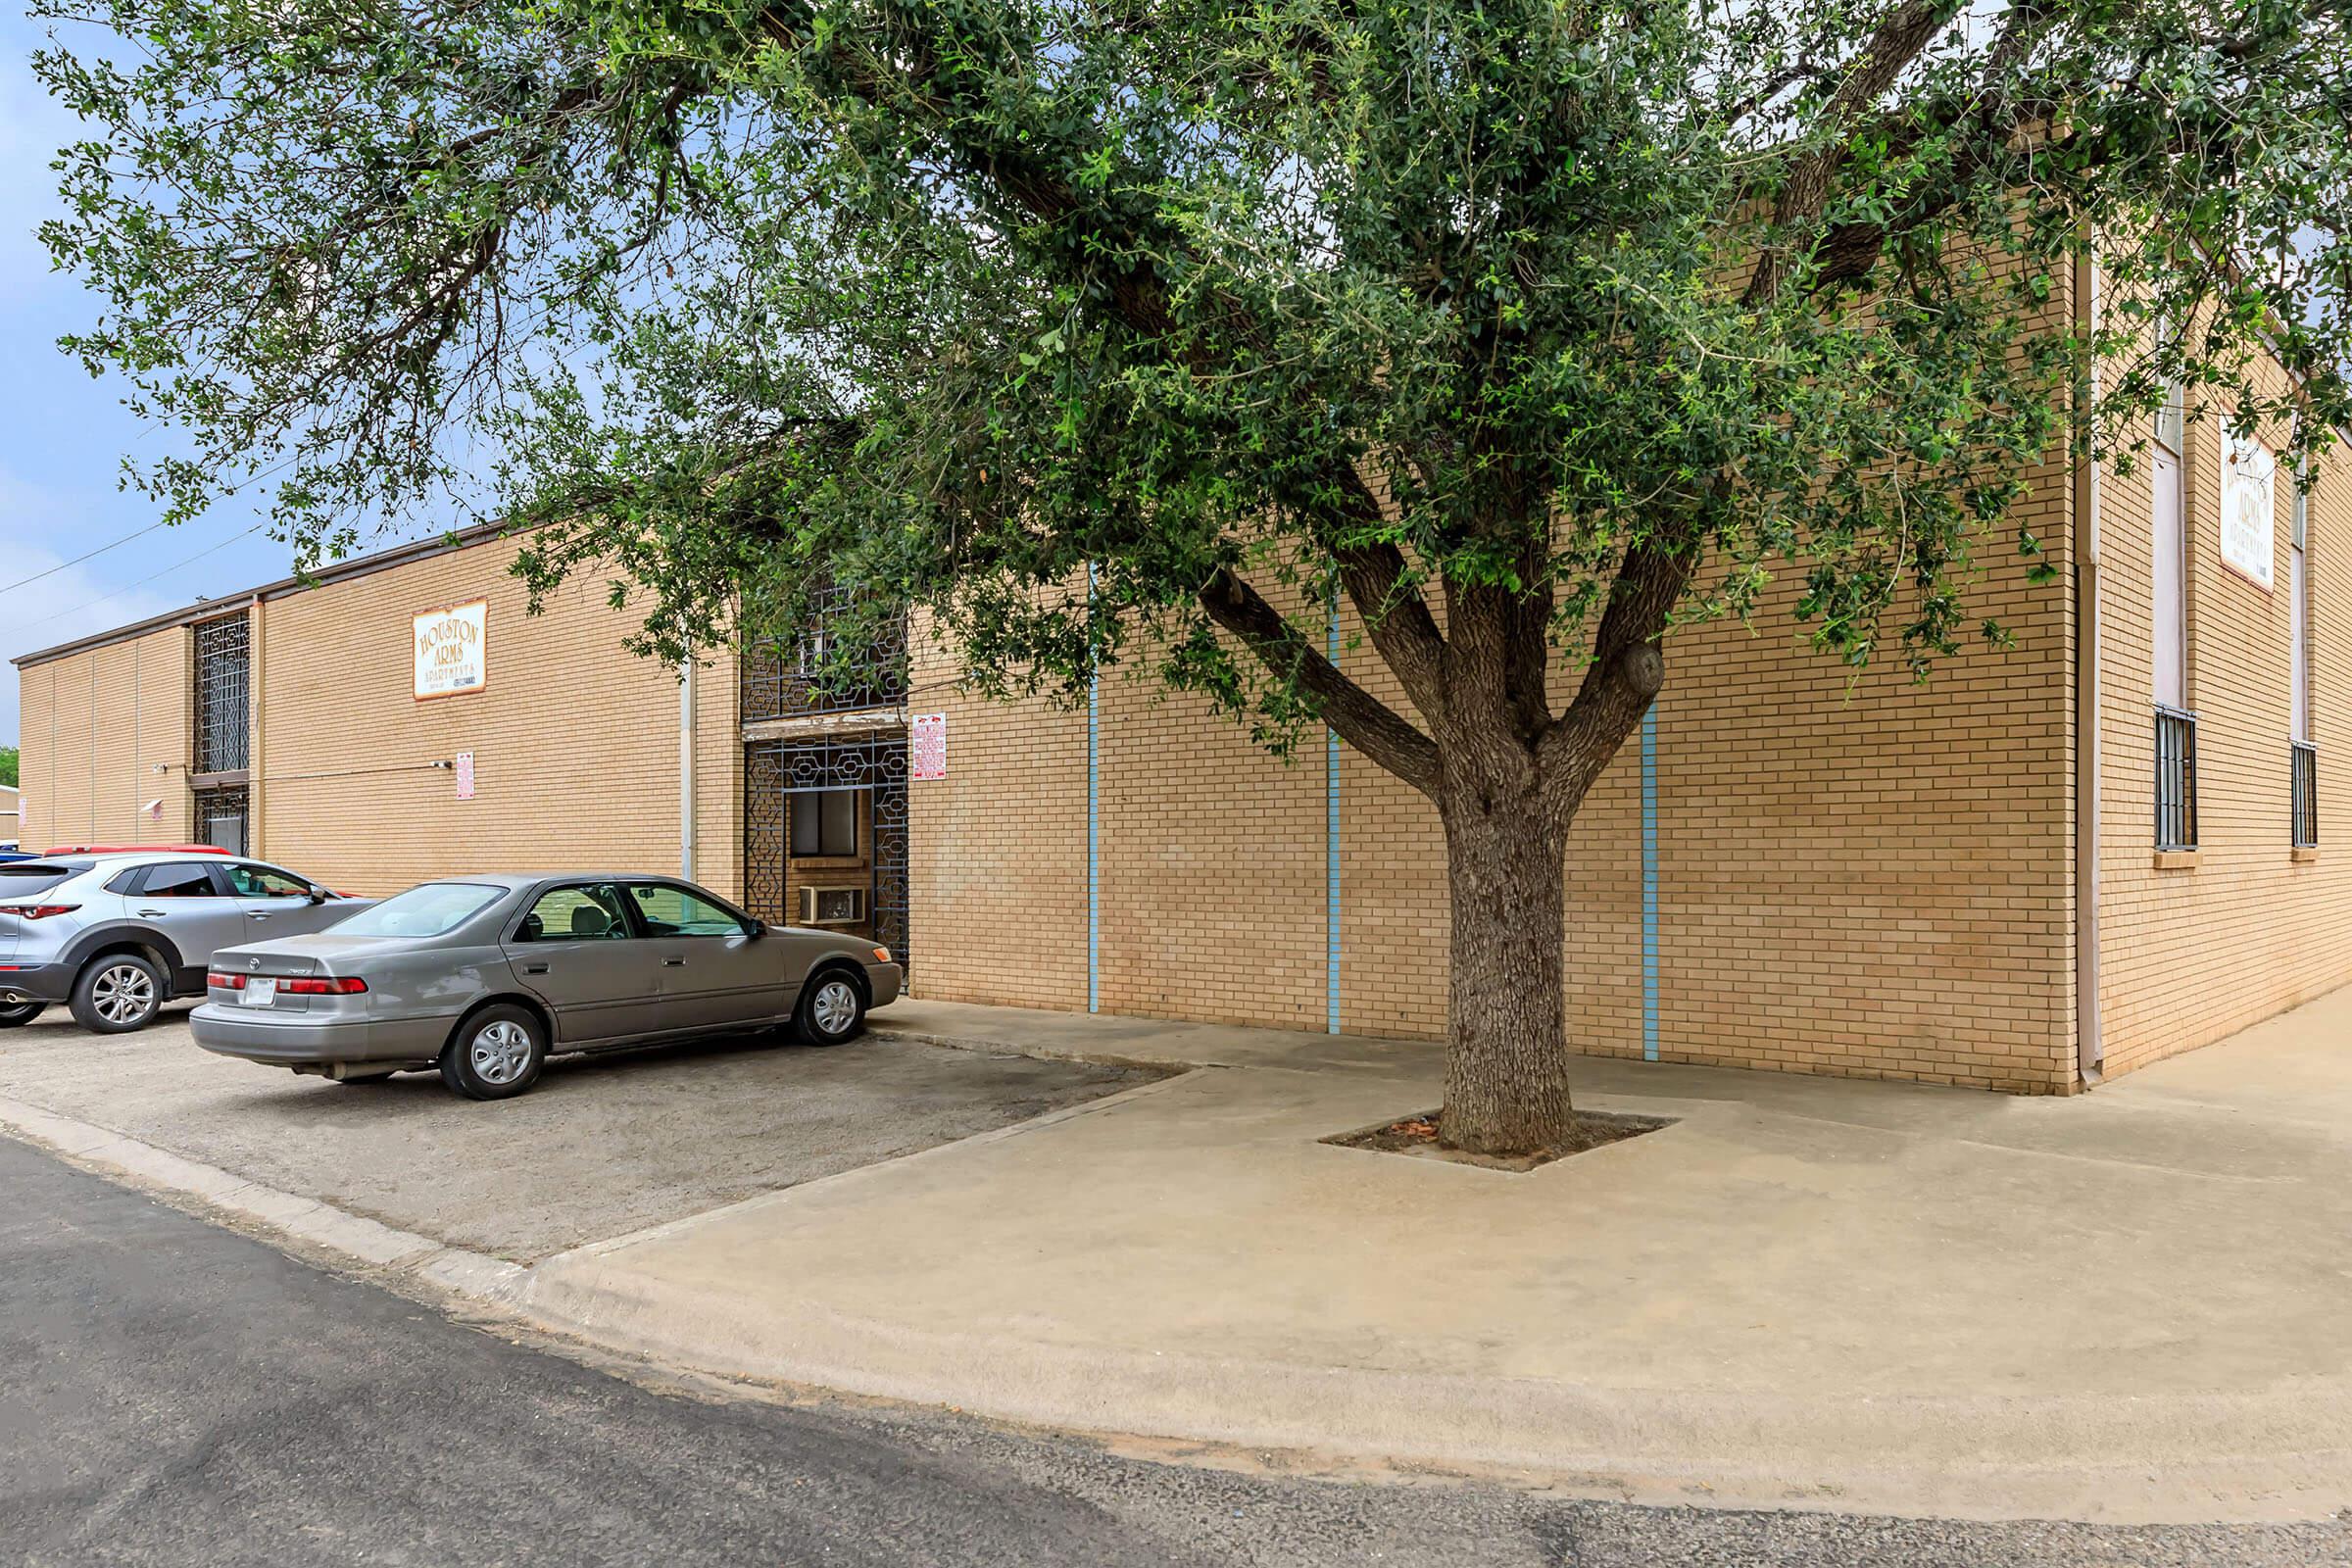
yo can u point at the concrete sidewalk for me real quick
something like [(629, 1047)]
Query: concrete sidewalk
[(2128, 1305)]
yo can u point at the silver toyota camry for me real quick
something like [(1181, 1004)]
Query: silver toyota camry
[(485, 977)]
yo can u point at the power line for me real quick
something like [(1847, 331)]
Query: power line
[(144, 581), (79, 559), (245, 483)]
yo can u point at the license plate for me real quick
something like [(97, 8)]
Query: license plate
[(259, 994)]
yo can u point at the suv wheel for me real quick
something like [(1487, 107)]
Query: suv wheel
[(118, 993), (23, 1013)]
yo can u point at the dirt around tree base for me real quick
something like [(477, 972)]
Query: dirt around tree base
[(1417, 1135)]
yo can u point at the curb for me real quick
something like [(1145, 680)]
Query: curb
[(376, 1248), (2266, 1457), (875, 1024)]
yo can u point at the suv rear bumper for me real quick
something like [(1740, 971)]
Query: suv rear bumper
[(52, 983)]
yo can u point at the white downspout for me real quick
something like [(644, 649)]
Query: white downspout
[(686, 769), (2090, 1045)]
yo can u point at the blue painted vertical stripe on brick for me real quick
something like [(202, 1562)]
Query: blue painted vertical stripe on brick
[(1094, 831), (1331, 849), (1649, 884)]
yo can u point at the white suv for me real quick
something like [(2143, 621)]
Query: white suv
[(115, 935)]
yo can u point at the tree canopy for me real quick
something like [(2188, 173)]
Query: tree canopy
[(961, 298)]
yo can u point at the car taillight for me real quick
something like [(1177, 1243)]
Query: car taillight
[(350, 984), (37, 911)]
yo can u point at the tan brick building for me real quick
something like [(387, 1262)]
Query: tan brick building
[(2021, 876)]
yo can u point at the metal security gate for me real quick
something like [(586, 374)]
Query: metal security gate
[(222, 819), (873, 769)]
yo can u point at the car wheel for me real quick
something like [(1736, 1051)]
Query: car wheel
[(23, 1013), (831, 1010), (117, 994), (495, 1055)]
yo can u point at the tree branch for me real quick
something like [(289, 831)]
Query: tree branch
[(1364, 721), (1805, 190), (1627, 670)]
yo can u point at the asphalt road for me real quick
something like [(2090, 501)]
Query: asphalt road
[(172, 1392)]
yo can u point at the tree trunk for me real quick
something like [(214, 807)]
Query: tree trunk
[(1506, 1038)]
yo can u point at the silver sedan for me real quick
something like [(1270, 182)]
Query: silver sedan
[(485, 977)]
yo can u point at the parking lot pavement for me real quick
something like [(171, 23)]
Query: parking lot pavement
[(601, 1148)]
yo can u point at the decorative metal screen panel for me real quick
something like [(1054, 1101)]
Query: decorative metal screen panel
[(223, 689), (784, 678), (774, 771), (221, 818), (2176, 779), (2306, 762)]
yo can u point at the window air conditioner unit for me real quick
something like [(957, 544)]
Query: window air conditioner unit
[(832, 905)]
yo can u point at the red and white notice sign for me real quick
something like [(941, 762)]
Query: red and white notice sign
[(928, 747), (464, 775)]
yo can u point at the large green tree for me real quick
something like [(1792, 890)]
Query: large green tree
[(1118, 332)]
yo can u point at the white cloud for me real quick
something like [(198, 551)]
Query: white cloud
[(31, 618)]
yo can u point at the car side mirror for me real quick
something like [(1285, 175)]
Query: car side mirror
[(320, 894), (754, 928)]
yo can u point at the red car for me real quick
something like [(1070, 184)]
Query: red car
[(137, 849)]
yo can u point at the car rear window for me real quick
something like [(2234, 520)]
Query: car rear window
[(32, 876), (432, 910)]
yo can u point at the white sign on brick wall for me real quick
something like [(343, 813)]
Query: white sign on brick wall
[(464, 775), (451, 649), (927, 749), (2249, 476)]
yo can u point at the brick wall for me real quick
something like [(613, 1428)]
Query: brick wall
[(575, 740), (1874, 881), (94, 726), (997, 849), (2211, 943)]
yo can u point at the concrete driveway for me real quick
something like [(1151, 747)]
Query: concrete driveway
[(601, 1148)]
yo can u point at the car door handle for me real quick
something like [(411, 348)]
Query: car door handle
[(151, 914), (534, 968), (255, 914), (673, 963)]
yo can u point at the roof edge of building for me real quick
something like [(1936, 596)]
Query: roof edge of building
[(230, 603)]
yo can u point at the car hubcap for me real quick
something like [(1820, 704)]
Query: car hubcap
[(835, 1008), (123, 994), (500, 1053)]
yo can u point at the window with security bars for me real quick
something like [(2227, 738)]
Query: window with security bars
[(821, 671), (222, 819), (2304, 756), (223, 695), (2306, 794), (2175, 778)]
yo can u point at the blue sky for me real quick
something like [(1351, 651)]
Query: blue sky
[(63, 435)]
